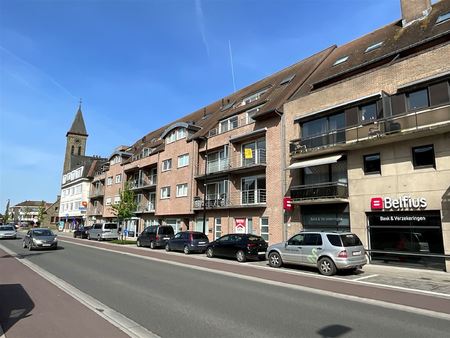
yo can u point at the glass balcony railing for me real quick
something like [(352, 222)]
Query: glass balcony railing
[(236, 199), (319, 191)]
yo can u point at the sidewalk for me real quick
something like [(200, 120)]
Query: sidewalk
[(31, 306)]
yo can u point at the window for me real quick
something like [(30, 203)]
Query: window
[(423, 156), (372, 164), (312, 239), (417, 99), (250, 113), (181, 133), (228, 124), (443, 17), (324, 131), (182, 190), (108, 201), (175, 135), (167, 164), (335, 240), (116, 159), (109, 181), (165, 192), (340, 60), (116, 199), (118, 178), (296, 240), (264, 228), (373, 47), (183, 160), (254, 152), (217, 228), (172, 137), (368, 112), (77, 189), (253, 97), (286, 80)]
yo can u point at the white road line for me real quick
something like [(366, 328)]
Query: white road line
[(128, 326), (365, 277), (291, 286)]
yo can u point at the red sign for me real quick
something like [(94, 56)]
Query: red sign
[(376, 203), (240, 225), (287, 204)]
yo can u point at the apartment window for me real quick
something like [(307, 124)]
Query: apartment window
[(372, 164), (264, 228), (109, 180), (368, 112), (77, 205), (175, 135), (167, 164), (78, 189), (423, 156), (165, 192), (443, 17), (181, 133), (182, 190), (116, 199), (324, 131), (254, 152), (228, 124), (183, 160), (118, 178), (108, 201), (250, 113), (417, 99)]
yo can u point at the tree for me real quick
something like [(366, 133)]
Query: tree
[(6, 215), (41, 212), (126, 207)]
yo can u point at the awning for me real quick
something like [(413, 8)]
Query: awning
[(312, 163)]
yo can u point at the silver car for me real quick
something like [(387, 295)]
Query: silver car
[(40, 238), (328, 251), (103, 231), (7, 231)]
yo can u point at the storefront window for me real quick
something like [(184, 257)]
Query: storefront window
[(330, 217)]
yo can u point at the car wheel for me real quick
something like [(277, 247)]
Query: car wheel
[(240, 256), (326, 266), (74, 235), (30, 247), (210, 253), (89, 237), (186, 250), (138, 243), (167, 247), (275, 260), (152, 245)]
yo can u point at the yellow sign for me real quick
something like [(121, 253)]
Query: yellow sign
[(248, 153)]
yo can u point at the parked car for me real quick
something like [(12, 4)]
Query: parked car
[(40, 238), (188, 241), (7, 231), (103, 231), (155, 236), (328, 251), (82, 232), (239, 246)]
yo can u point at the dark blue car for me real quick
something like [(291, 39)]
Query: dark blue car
[(188, 241)]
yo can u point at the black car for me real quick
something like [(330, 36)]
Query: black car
[(81, 232), (188, 241), (240, 246), (155, 236)]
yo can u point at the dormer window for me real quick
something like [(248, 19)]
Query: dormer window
[(287, 80), (340, 60), (228, 124), (252, 98), (373, 47), (176, 135), (443, 17), (250, 113), (146, 152)]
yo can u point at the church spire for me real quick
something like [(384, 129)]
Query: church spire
[(78, 127)]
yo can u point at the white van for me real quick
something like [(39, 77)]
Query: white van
[(101, 231)]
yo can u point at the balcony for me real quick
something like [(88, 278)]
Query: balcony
[(243, 199), (236, 165), (95, 211), (320, 191), (144, 183), (380, 131), (145, 208), (97, 192)]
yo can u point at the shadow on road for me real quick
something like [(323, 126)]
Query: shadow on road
[(15, 305), (332, 331)]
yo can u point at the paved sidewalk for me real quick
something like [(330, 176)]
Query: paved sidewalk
[(31, 306)]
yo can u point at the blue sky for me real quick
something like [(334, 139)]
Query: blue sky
[(138, 64)]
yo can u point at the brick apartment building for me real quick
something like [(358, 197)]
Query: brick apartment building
[(334, 132)]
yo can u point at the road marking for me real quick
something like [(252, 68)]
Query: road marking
[(128, 326), (365, 277), (384, 304)]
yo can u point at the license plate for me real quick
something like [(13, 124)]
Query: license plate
[(166, 238), (201, 242), (45, 244), (261, 252), (356, 253)]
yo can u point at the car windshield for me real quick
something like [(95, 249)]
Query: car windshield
[(6, 228), (45, 232), (350, 240), (199, 236), (110, 226)]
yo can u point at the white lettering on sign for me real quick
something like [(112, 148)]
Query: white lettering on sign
[(405, 202)]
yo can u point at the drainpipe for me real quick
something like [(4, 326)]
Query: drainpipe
[(204, 138)]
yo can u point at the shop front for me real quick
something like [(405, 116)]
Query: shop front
[(402, 232), (326, 217)]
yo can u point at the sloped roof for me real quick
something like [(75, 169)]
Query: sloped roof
[(32, 204), (397, 42), (78, 127)]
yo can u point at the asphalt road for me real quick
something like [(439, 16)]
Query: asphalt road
[(175, 301)]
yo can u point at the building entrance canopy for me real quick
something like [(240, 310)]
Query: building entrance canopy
[(315, 162)]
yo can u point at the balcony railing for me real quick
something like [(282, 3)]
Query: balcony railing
[(410, 122), (95, 211), (145, 207), (236, 199), (319, 191), (142, 183), (97, 192)]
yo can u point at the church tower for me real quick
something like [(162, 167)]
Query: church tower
[(76, 139)]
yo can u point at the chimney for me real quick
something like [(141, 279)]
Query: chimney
[(413, 10)]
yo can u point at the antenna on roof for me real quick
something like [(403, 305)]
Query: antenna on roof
[(232, 67)]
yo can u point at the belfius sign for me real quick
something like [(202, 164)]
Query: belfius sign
[(401, 203)]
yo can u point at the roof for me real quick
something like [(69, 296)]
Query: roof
[(88, 162), (33, 204), (396, 42), (78, 127)]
